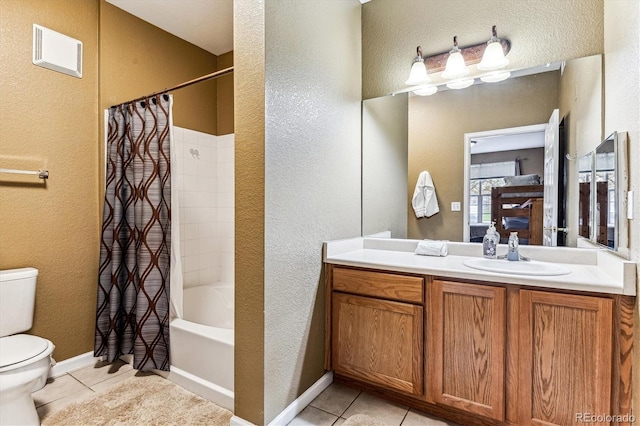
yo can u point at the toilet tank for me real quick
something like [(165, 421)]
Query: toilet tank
[(17, 300)]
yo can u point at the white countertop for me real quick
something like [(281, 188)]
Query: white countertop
[(590, 270)]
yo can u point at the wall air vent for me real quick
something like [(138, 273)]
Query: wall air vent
[(56, 51)]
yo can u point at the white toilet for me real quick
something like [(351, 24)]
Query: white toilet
[(25, 360)]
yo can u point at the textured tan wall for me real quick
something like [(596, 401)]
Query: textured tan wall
[(225, 96), (312, 179), (50, 120), (249, 110), (621, 94), (437, 125), (540, 31), (137, 59)]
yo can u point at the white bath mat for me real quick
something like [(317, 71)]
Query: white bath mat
[(142, 400)]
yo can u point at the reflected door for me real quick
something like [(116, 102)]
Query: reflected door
[(585, 217), (551, 152)]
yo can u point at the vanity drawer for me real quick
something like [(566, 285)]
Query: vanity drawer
[(379, 284)]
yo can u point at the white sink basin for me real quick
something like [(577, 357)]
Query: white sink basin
[(516, 268)]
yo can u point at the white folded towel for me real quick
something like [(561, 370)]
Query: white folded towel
[(432, 248)]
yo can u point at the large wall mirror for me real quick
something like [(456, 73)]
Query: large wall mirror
[(405, 135)]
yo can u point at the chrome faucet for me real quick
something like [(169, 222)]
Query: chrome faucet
[(512, 252)]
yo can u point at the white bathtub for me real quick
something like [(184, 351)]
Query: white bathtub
[(202, 344)]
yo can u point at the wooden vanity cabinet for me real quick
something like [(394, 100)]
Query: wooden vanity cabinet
[(495, 354), (467, 347), (565, 357), (377, 328)]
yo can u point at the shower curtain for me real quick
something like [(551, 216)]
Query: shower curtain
[(132, 314)]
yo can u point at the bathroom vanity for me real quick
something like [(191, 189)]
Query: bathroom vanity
[(482, 347)]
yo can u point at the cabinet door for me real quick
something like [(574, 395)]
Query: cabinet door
[(378, 341), (565, 357), (467, 357)]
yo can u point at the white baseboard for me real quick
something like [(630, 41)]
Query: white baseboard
[(72, 364), (303, 400), (210, 391), (239, 421)]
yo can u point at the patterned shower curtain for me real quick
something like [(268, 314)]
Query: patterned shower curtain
[(133, 291)]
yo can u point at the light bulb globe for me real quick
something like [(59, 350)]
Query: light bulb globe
[(455, 67), (425, 90), (418, 74), (493, 57)]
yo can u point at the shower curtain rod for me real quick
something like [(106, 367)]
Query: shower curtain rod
[(186, 83)]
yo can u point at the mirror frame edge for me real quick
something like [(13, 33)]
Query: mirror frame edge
[(621, 242)]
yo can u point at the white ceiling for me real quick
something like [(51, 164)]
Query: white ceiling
[(508, 142), (206, 23)]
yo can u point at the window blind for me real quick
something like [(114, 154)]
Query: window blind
[(493, 170)]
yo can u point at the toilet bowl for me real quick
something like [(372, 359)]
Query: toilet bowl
[(25, 360)]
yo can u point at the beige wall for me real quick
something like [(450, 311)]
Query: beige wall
[(312, 179), (249, 111), (540, 31), (384, 165), (622, 114), (437, 125), (50, 120), (151, 61), (297, 185)]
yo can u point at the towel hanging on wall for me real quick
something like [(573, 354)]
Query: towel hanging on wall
[(425, 202)]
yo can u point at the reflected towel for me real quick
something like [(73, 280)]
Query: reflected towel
[(425, 202), (432, 248)]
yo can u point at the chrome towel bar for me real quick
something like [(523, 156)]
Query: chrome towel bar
[(42, 174)]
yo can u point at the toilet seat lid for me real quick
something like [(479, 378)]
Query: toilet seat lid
[(20, 347)]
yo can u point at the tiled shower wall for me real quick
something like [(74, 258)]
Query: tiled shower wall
[(205, 189)]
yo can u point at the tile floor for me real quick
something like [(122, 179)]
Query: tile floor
[(331, 408), (80, 384), (338, 402)]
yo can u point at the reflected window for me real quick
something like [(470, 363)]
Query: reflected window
[(609, 178), (484, 177), (480, 199)]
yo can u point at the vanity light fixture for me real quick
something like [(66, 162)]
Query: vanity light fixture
[(455, 67), (462, 83), (426, 90), (493, 56), (489, 58), (418, 73), (495, 77)]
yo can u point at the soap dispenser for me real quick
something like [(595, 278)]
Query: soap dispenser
[(512, 251), (490, 242)]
